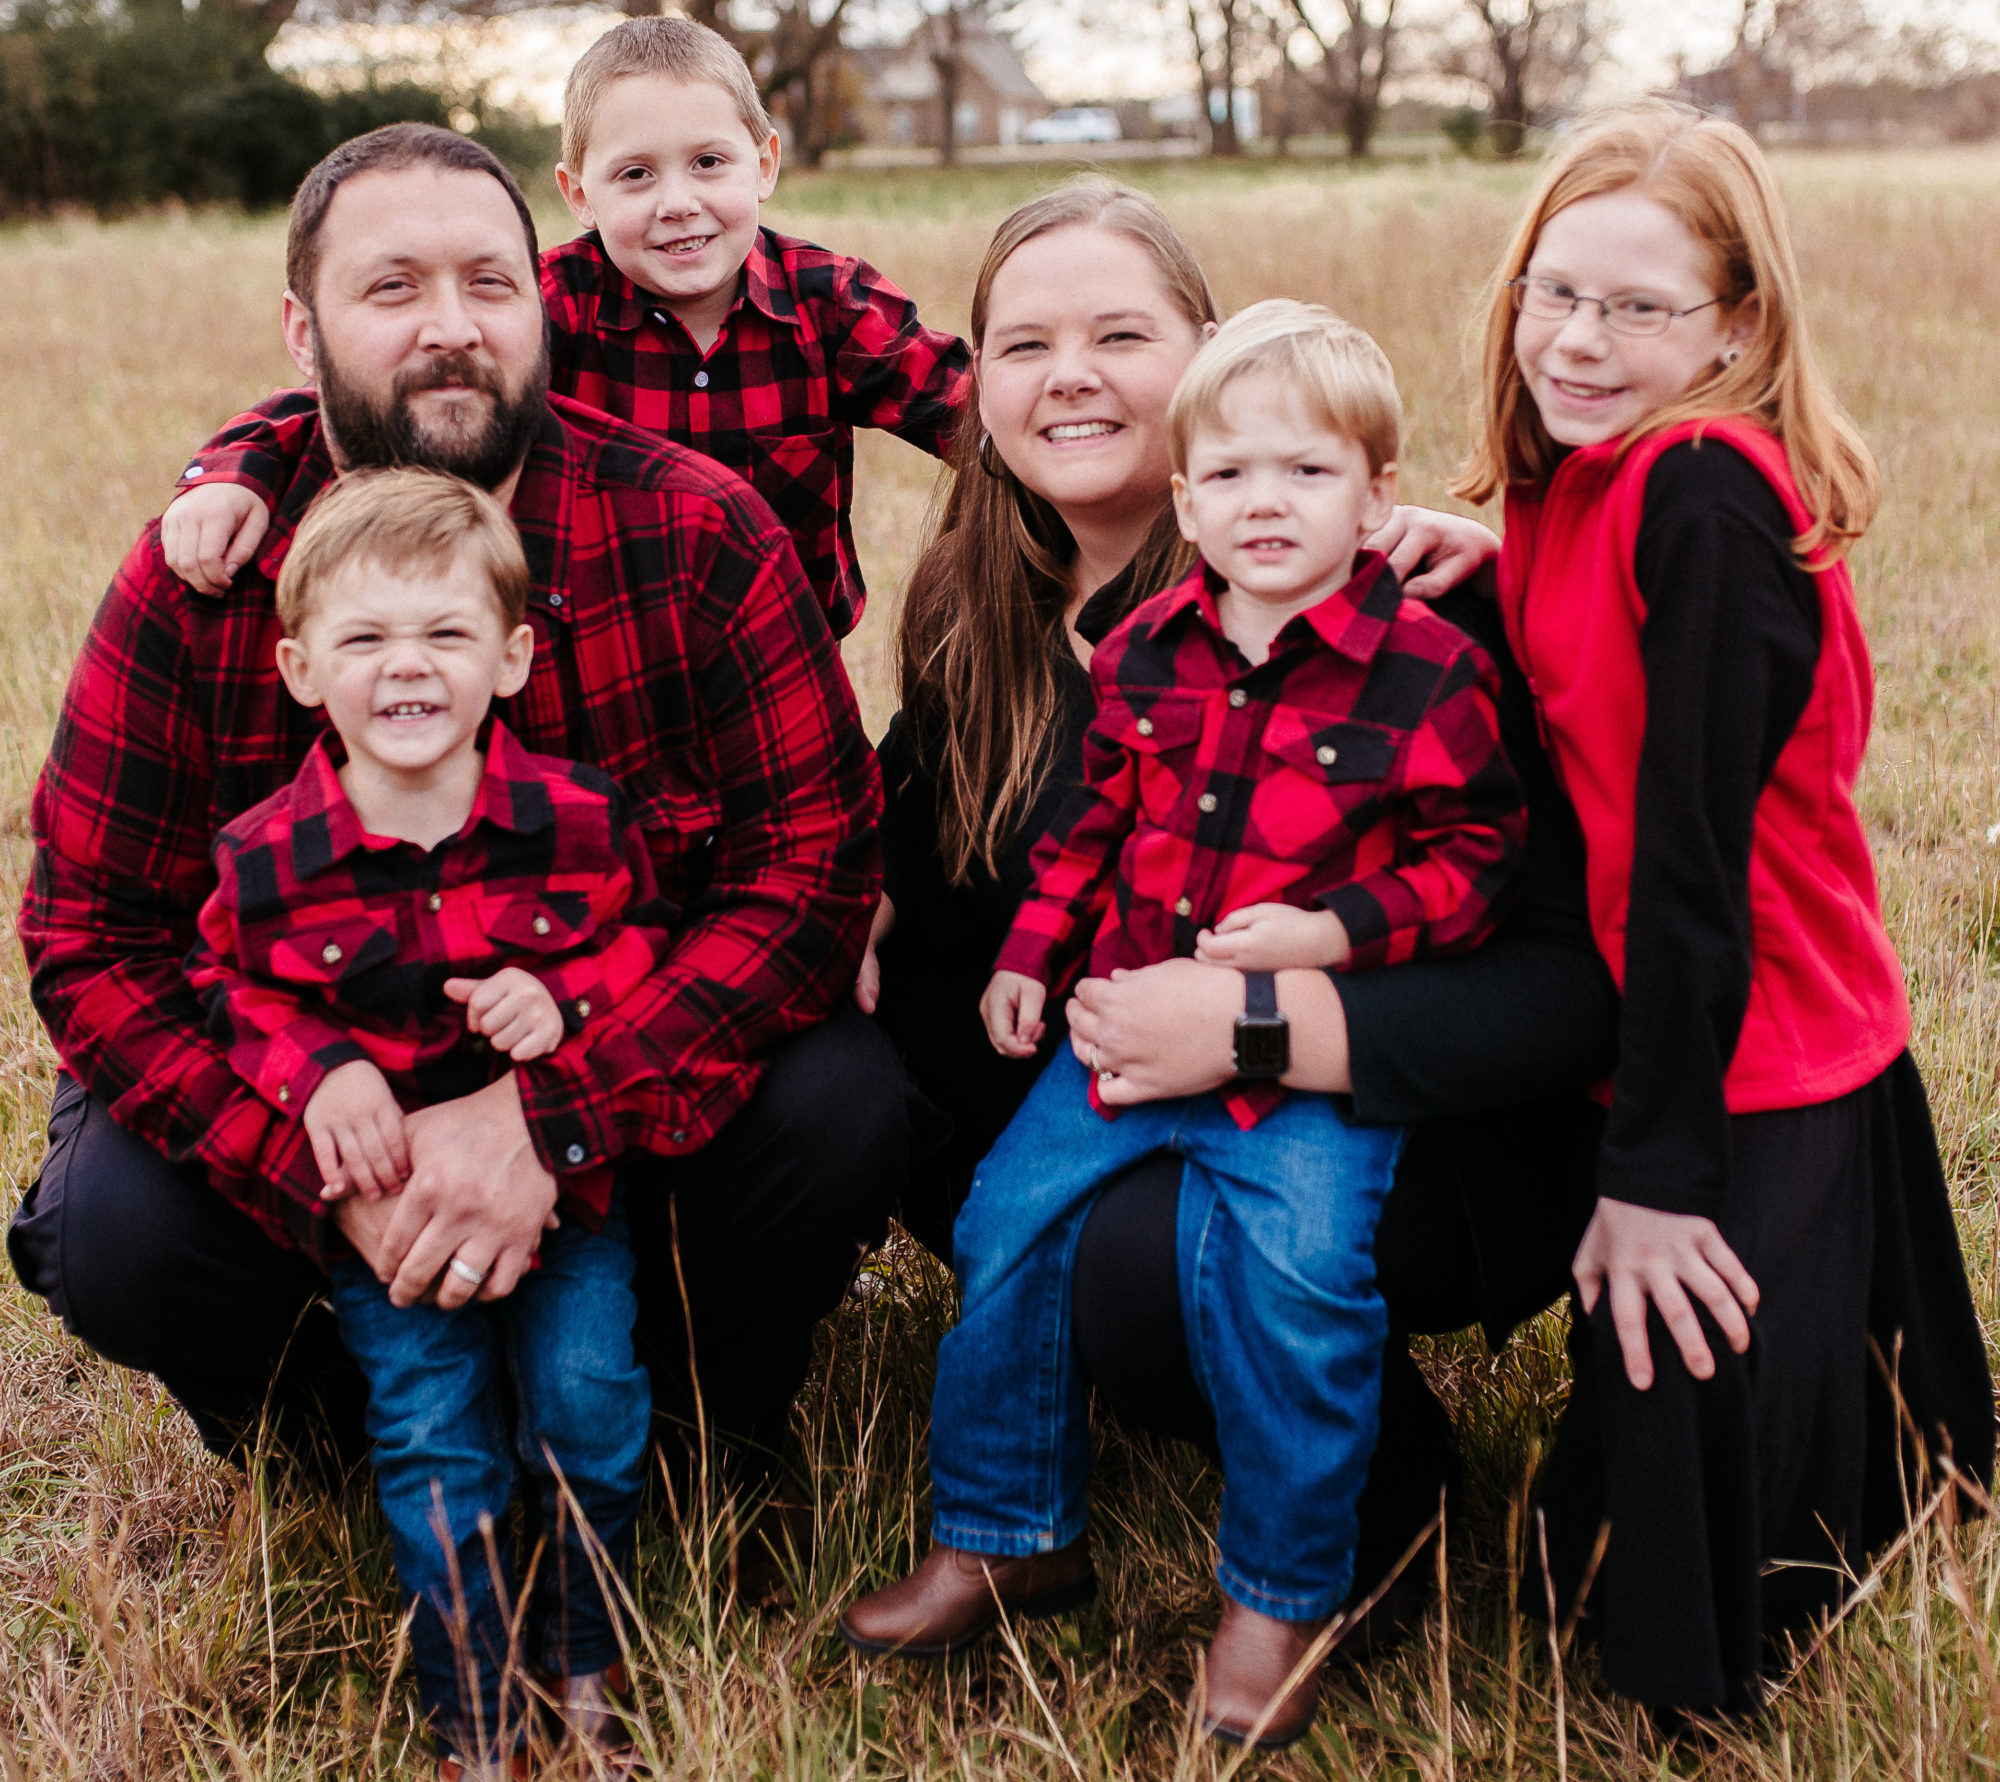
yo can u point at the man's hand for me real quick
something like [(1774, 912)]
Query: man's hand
[(1012, 1011), (868, 983), (1431, 552), (476, 1192), (1274, 937), (513, 1009), (209, 532), (356, 1130), (1639, 1255)]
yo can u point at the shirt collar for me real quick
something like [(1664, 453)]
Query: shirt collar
[(622, 306), (512, 794), (1353, 619)]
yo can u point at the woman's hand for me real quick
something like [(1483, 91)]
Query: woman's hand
[(1432, 552), (1639, 1255), (1167, 1030), (868, 983)]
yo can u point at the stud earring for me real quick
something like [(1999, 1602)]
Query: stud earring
[(1730, 357)]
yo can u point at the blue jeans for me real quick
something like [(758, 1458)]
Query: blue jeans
[(461, 1406), (1285, 1329)]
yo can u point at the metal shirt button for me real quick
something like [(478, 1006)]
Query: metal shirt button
[(1326, 754), (331, 952), (284, 1092), (1185, 907), (540, 925), (574, 1153), (555, 600), (583, 1008), (701, 380), (436, 901), (1144, 726), (1206, 801), (680, 1138), (1238, 698)]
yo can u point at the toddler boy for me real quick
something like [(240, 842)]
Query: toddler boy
[(425, 906), (1292, 766), (676, 311)]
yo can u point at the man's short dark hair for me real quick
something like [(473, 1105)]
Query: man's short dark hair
[(387, 150)]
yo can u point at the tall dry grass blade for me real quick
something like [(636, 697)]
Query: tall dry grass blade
[(1444, 1646), (1585, 1582), (1020, 1662), (1555, 1649)]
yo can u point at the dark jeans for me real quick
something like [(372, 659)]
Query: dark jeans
[(541, 1387), (1479, 1228), (144, 1262)]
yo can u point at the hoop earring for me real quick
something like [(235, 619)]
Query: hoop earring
[(989, 458), (1730, 357)]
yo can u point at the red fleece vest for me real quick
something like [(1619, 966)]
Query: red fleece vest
[(1827, 1007)]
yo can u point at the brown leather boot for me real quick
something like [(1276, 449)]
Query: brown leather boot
[(955, 1596), (1248, 1662)]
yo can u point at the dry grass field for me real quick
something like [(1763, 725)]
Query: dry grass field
[(162, 1615)]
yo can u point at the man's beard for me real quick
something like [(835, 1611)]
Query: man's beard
[(364, 432)]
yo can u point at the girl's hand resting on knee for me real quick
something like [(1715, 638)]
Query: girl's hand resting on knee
[(1274, 937), (356, 1131), (209, 532), (1012, 1011), (1639, 1254), (513, 1009), (868, 980)]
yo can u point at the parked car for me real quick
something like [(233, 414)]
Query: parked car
[(1074, 123)]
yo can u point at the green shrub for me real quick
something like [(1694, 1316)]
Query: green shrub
[(115, 109), (1463, 126)]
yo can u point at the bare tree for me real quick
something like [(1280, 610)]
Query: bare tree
[(1784, 45), (791, 51), (1216, 32), (1532, 57), (1354, 64)]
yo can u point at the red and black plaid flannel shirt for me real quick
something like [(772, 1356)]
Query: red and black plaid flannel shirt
[(817, 345), (322, 944), (1358, 769), (677, 647)]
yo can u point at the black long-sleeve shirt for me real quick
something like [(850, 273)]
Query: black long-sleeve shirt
[(1730, 646)]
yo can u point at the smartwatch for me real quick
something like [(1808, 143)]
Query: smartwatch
[(1263, 1038)]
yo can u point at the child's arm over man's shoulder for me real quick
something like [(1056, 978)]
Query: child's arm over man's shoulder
[(224, 496)]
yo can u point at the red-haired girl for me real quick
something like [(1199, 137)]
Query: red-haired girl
[(1681, 490)]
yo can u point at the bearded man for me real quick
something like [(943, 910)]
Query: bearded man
[(757, 1121)]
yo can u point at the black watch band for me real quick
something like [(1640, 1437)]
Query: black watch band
[(1263, 1037)]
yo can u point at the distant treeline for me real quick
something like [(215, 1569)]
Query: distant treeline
[(115, 107)]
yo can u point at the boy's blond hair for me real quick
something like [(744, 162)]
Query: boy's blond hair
[(1339, 370), (397, 521), (678, 48)]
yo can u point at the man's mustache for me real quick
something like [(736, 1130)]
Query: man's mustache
[(452, 368)]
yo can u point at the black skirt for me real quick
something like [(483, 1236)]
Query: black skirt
[(1736, 1504)]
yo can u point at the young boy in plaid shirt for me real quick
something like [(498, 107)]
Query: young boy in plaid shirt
[(1292, 766), (675, 311), (425, 905)]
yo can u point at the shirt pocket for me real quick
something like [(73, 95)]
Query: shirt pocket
[(1326, 783), (1164, 741), (339, 961), (537, 924)]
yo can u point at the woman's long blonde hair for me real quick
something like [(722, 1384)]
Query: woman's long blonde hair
[(976, 653), (1714, 178)]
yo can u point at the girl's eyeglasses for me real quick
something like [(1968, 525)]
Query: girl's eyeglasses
[(1550, 300)]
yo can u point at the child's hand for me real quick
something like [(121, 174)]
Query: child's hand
[(514, 1010), (1433, 552), (1274, 937), (868, 981), (209, 532), (356, 1130), (1640, 1254), (1012, 1011)]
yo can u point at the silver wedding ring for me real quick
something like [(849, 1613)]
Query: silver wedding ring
[(472, 1277)]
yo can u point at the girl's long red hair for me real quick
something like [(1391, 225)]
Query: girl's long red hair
[(1714, 178)]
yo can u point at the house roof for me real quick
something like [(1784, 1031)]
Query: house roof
[(908, 76)]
